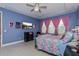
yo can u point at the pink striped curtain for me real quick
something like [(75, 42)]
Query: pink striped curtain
[(56, 23)]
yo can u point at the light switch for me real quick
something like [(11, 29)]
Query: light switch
[(5, 30)]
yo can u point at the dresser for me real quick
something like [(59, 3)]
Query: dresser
[(28, 36)]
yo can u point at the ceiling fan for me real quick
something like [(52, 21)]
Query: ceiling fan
[(36, 7)]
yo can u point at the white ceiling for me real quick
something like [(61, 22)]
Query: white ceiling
[(53, 9)]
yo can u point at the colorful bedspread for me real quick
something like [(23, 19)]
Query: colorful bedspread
[(51, 44)]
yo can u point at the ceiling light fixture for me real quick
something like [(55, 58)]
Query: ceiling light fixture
[(36, 7)]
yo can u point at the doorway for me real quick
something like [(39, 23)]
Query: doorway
[(0, 29)]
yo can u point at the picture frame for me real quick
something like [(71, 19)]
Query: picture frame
[(18, 25)]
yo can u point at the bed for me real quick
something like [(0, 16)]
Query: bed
[(53, 44)]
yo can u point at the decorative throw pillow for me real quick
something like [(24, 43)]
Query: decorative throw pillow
[(75, 36), (62, 36), (68, 37)]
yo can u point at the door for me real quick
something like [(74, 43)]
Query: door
[(0, 28)]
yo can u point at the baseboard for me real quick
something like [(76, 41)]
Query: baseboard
[(12, 43)]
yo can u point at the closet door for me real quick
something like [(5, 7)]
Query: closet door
[(51, 28), (61, 27), (43, 29)]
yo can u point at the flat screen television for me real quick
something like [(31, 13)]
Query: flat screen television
[(26, 25)]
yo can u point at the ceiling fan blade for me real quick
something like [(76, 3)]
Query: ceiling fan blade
[(39, 10), (43, 7), (29, 5), (32, 10)]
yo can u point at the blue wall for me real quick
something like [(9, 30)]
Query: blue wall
[(73, 19), (13, 34)]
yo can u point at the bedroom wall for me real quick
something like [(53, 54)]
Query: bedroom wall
[(12, 34), (72, 19)]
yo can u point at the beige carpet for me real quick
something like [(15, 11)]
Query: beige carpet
[(21, 49)]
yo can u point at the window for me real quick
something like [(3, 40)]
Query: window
[(61, 27), (51, 28), (43, 28)]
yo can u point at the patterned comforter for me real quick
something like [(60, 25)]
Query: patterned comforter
[(51, 44)]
